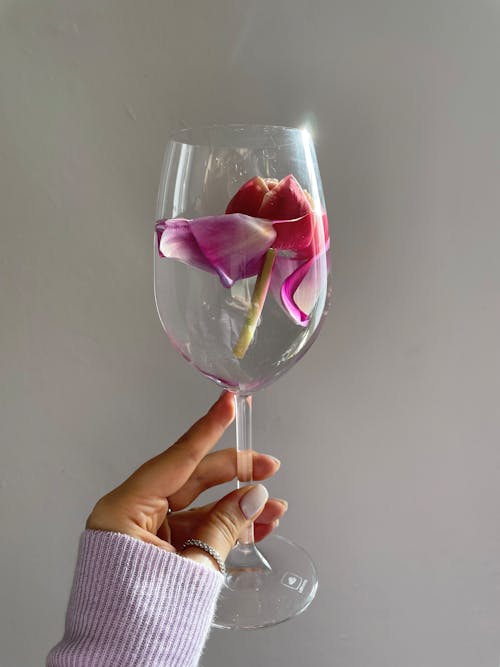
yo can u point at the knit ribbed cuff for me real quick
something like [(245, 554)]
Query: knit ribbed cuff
[(135, 604)]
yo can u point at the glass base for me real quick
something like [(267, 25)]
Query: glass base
[(266, 585)]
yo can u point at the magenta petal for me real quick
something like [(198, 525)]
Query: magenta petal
[(234, 244), (176, 241), (288, 289), (297, 283)]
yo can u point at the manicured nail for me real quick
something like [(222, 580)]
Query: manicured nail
[(254, 500), (275, 460)]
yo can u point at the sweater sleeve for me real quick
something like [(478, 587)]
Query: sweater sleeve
[(133, 603)]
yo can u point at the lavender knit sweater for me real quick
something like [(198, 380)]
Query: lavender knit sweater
[(135, 604)]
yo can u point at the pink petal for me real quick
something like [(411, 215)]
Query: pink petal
[(249, 197), (320, 239), (295, 283), (295, 234), (286, 201), (288, 289), (234, 244), (176, 241), (288, 204)]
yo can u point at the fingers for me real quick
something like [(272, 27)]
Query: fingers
[(182, 525), (274, 509), (167, 472), (218, 468), (264, 529), (268, 520), (227, 520)]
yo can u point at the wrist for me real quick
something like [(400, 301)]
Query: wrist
[(193, 553)]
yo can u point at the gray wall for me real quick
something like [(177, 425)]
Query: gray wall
[(387, 429)]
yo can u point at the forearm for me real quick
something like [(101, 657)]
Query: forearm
[(135, 604)]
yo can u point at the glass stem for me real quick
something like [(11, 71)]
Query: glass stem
[(243, 406)]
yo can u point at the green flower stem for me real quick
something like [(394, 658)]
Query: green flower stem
[(258, 297)]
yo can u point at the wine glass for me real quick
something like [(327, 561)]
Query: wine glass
[(242, 285)]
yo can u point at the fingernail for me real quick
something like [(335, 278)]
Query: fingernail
[(283, 502), (275, 460), (254, 500)]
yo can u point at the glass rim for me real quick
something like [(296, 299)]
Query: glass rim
[(190, 136)]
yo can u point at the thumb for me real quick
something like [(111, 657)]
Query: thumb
[(226, 521)]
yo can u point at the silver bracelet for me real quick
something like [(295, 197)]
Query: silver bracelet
[(210, 550)]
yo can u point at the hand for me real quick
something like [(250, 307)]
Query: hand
[(172, 480)]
